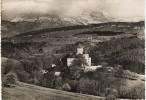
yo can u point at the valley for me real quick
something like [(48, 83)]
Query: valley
[(30, 49)]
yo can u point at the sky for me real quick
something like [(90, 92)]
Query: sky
[(123, 10)]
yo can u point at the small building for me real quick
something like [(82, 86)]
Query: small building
[(57, 73), (91, 68), (88, 67)]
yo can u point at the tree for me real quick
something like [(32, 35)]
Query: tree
[(10, 80)]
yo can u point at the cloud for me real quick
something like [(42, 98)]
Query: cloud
[(116, 9)]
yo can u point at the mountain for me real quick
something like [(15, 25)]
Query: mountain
[(23, 25)]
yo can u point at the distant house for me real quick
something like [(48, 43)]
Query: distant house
[(88, 67)]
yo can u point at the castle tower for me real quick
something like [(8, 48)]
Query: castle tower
[(80, 50)]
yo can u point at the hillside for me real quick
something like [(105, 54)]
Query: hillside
[(10, 29), (48, 40), (128, 52), (93, 83), (30, 51), (31, 92)]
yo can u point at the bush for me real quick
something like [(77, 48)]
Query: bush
[(134, 93), (66, 87), (10, 80), (88, 86)]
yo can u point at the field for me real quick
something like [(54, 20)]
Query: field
[(31, 92)]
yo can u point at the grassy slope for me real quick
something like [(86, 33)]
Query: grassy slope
[(30, 92)]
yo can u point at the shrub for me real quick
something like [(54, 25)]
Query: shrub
[(136, 92), (10, 80), (66, 87), (88, 86)]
